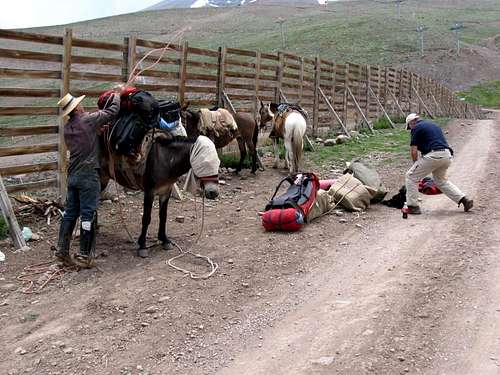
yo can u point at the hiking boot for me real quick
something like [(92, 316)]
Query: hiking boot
[(85, 256), (64, 242), (468, 203), (414, 210)]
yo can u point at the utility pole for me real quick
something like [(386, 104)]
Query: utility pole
[(456, 27), (281, 21), (420, 30), (398, 7)]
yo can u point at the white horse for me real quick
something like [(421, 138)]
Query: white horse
[(291, 127)]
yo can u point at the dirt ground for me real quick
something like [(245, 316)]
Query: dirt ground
[(375, 294)]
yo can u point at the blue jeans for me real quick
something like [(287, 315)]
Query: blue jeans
[(83, 196)]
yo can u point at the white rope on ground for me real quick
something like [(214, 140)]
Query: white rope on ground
[(213, 266)]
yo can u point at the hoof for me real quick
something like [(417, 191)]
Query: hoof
[(143, 253), (167, 246)]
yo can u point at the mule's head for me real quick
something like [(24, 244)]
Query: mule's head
[(205, 164), (190, 119), (265, 114), (210, 186)]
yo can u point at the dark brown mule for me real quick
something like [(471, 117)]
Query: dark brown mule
[(168, 159), (246, 136)]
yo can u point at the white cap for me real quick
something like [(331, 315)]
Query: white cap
[(410, 118)]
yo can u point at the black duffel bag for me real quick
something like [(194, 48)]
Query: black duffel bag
[(127, 133), (146, 106)]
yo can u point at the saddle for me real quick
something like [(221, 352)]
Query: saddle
[(282, 112), (217, 124)]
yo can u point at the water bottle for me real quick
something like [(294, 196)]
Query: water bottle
[(405, 210)]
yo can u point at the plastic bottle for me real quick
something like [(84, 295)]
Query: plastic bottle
[(405, 210)]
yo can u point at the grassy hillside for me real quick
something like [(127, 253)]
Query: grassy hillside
[(486, 95), (362, 31), (358, 31)]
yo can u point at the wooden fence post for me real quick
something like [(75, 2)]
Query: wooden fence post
[(367, 92), (62, 175), (221, 75), (346, 95), (183, 73), (131, 55), (279, 77), (317, 74), (301, 78), (258, 60), (10, 218)]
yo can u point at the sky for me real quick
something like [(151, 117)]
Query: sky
[(32, 13)]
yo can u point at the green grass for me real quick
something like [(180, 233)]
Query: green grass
[(486, 94), (3, 228), (392, 145)]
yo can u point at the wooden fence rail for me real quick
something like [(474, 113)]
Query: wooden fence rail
[(36, 69)]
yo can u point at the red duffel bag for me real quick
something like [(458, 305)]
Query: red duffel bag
[(288, 212)]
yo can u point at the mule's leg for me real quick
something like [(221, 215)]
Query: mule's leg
[(276, 153), (255, 158), (289, 156), (243, 153), (143, 252), (162, 229)]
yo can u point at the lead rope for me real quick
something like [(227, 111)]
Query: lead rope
[(213, 265)]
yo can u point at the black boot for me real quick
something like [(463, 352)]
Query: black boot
[(64, 241), (468, 203), (85, 257)]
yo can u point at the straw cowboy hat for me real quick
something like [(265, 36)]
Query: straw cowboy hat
[(68, 103), (410, 118)]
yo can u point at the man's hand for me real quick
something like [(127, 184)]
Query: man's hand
[(118, 89), (414, 153)]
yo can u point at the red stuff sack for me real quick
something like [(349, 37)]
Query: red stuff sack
[(288, 212), (126, 104), (427, 186)]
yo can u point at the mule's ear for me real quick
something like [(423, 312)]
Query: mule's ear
[(185, 105)]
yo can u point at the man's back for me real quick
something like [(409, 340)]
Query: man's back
[(427, 136)]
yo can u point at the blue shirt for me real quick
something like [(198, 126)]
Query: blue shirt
[(427, 136)]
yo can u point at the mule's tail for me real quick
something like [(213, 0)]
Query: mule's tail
[(297, 147)]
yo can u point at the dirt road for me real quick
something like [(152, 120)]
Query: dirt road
[(376, 294), (420, 295)]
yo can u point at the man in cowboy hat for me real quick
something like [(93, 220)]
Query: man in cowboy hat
[(81, 138), (428, 138)]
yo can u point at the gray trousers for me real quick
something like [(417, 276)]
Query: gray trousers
[(437, 163)]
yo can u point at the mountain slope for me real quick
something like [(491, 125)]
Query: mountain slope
[(175, 4)]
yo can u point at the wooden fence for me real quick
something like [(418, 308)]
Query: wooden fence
[(35, 70)]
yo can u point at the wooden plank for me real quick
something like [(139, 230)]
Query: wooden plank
[(233, 74), (332, 110), (346, 97), (27, 150), (34, 186), (29, 130), (201, 102), (279, 77), (301, 80), (30, 73), (10, 218), (200, 64), (132, 58), (94, 76), (258, 61), (159, 74), (268, 56), (359, 109), (201, 77), (382, 107), (124, 61), (29, 55), (18, 92), (155, 87), (163, 60), (30, 37), (422, 102), (228, 104), (157, 45), (82, 43), (241, 52), (27, 168), (203, 52), (240, 86), (246, 64), (183, 73), (28, 111), (221, 76), (201, 89), (396, 102), (77, 59)]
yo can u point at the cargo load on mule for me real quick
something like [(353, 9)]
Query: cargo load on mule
[(140, 113), (288, 212)]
